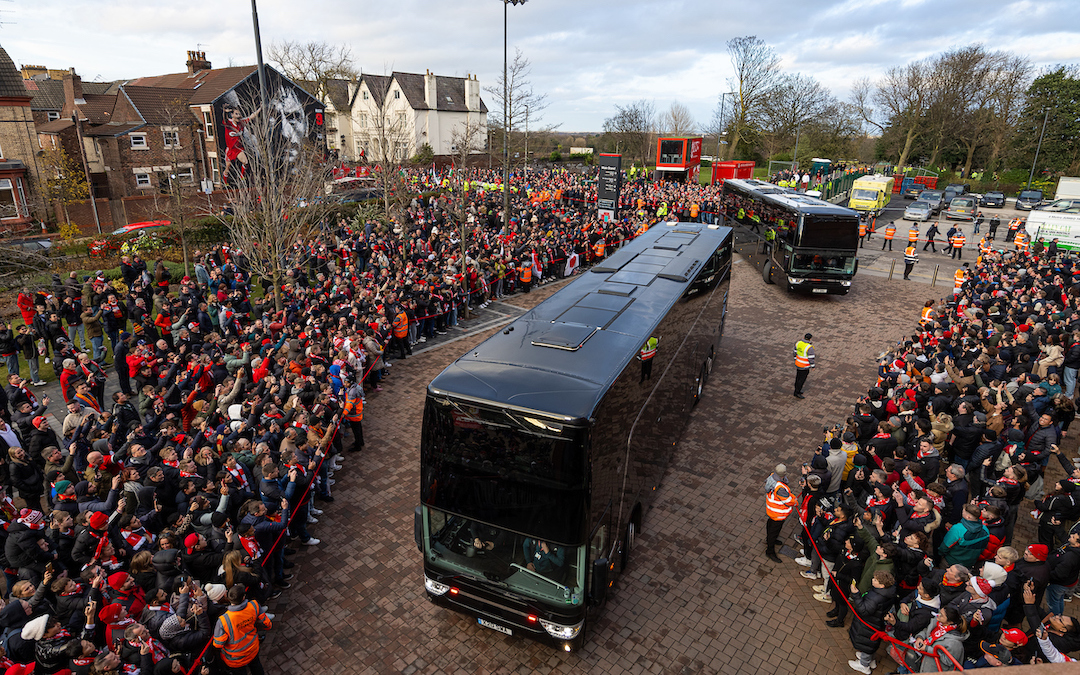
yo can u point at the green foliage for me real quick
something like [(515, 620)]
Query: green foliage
[(1058, 92), (555, 156), (424, 155)]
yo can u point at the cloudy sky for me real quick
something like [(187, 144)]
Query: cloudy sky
[(587, 56)]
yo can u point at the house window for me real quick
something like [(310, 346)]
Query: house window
[(401, 120), (52, 115), (363, 121), (365, 96), (397, 93), (208, 122), (142, 180), (7, 200), (172, 138), (186, 176), (215, 169), (22, 198), (138, 142)]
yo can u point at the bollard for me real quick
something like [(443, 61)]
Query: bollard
[(933, 282), (892, 268)]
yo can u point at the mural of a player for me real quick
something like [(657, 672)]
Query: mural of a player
[(237, 160)]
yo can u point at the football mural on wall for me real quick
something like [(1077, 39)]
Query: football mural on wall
[(289, 119)]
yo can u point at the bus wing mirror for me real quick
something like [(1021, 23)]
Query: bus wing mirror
[(418, 528), (600, 570)]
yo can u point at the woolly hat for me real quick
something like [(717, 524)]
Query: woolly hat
[(117, 580), (31, 518), (110, 613), (62, 486), (780, 470), (20, 669), (39, 421), (98, 520), (1015, 636), (1039, 551), (190, 542), (982, 586), (35, 629), (994, 573), (216, 592)]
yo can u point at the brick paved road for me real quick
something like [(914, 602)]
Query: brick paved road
[(699, 596)]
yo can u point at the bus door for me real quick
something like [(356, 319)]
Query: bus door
[(602, 557)]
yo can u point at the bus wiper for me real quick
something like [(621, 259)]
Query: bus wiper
[(495, 577), (556, 584)]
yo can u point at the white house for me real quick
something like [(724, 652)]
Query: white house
[(402, 112)]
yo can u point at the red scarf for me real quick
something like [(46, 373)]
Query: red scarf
[(136, 539), (238, 474), (252, 547), (938, 632)]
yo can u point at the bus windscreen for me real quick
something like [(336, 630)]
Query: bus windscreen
[(829, 232)]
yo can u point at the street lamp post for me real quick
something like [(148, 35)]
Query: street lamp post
[(1031, 175), (526, 139), (258, 54), (795, 157), (720, 131), (506, 119)]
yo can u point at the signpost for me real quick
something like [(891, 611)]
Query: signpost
[(607, 189)]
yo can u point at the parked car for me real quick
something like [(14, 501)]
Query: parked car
[(1062, 206), (962, 208), (934, 198), (1029, 199), (962, 188), (914, 191), (995, 200), (918, 210), (139, 227), (42, 245), (950, 194)]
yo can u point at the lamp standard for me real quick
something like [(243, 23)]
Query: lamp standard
[(1038, 148), (720, 131), (506, 119), (526, 139)]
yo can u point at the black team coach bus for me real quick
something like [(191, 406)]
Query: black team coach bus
[(541, 447)]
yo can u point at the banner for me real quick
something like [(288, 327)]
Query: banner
[(608, 186)]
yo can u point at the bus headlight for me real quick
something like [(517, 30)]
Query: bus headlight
[(845, 283), (793, 281), (435, 587), (561, 632)]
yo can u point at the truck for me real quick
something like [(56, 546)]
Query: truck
[(870, 194), (1068, 188), (1046, 225)]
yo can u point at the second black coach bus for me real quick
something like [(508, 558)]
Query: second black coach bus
[(816, 242), (541, 447)]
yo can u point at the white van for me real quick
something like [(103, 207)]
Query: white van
[(1062, 223)]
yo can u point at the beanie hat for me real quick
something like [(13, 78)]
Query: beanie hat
[(994, 573), (117, 580), (982, 586), (1039, 551), (38, 421), (32, 518), (98, 520), (110, 613), (62, 486), (1067, 486), (215, 592), (849, 437), (780, 470), (35, 629), (191, 541)]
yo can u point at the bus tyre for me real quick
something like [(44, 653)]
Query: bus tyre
[(628, 545), (766, 273), (702, 378)]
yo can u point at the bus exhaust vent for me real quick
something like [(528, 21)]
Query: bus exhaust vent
[(565, 336)]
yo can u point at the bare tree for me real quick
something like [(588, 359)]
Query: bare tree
[(466, 140), (519, 97), (757, 71), (634, 126), (277, 203), (1007, 104), (903, 96), (796, 100), (387, 132), (313, 64), (65, 180), (177, 196), (678, 120)]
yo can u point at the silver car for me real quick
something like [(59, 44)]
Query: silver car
[(918, 210)]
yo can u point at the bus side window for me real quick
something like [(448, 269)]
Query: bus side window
[(599, 543)]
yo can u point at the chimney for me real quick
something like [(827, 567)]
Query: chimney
[(431, 96), (196, 62), (472, 93), (73, 93)]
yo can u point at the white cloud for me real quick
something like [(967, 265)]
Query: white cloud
[(588, 56)]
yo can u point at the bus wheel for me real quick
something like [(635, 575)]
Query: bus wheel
[(699, 384), (708, 362), (766, 273), (628, 544)]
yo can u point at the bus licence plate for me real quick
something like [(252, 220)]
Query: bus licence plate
[(819, 290), (494, 626)]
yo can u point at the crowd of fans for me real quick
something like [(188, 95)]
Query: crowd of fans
[(201, 424), (912, 503)]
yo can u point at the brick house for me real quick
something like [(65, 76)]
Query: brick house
[(20, 171)]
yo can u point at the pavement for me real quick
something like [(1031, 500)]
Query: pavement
[(699, 595)]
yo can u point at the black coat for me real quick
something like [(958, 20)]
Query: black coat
[(871, 607)]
